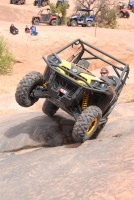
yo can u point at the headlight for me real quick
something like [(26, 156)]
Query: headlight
[(95, 83)]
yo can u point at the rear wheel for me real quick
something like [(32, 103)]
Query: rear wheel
[(19, 2), (54, 23), (49, 108), (87, 124), (44, 4), (26, 87), (73, 23), (99, 129), (68, 23)]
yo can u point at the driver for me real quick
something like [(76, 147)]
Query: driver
[(104, 72), (105, 76)]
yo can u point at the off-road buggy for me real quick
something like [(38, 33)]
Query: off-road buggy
[(47, 17), (61, 2), (43, 2), (19, 2), (83, 17), (70, 85)]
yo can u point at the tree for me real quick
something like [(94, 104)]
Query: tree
[(85, 3), (61, 10), (105, 11)]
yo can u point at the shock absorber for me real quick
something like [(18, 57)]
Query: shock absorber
[(85, 101)]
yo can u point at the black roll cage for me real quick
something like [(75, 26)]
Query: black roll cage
[(84, 45)]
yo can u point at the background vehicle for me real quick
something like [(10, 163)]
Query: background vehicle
[(60, 2), (45, 16), (43, 2), (131, 5), (83, 17), (70, 85), (19, 2), (123, 12)]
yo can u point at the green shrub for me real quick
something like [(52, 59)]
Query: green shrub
[(107, 17), (6, 57), (61, 10)]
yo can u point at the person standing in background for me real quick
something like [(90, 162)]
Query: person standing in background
[(39, 3)]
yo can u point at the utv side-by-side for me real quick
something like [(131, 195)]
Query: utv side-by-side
[(83, 17), (62, 2), (69, 84), (19, 2), (43, 2), (47, 17)]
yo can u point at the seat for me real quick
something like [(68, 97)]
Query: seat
[(111, 80), (83, 63)]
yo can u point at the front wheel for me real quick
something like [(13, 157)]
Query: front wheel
[(127, 14), (73, 23), (49, 108), (25, 88), (86, 124), (36, 21)]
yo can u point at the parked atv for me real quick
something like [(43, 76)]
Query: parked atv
[(83, 17), (19, 2), (47, 17), (61, 2), (43, 2), (70, 85), (123, 12)]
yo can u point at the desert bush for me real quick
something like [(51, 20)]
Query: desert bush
[(107, 18), (61, 10), (6, 57)]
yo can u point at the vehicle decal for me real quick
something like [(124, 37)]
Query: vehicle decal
[(89, 78), (65, 64), (60, 70)]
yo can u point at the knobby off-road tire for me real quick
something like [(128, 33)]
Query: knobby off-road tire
[(86, 124), (25, 88), (89, 23), (54, 22), (36, 21), (49, 108), (73, 23), (127, 14), (98, 130)]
